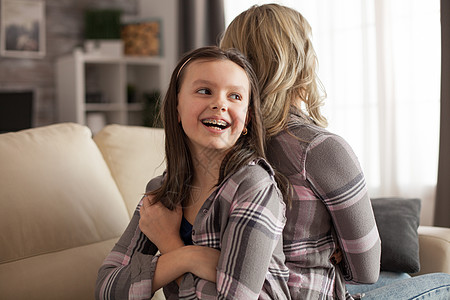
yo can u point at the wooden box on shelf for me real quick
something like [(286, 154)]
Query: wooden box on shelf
[(141, 38)]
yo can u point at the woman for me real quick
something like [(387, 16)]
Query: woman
[(330, 209), (330, 236)]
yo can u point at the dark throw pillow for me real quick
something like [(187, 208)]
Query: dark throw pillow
[(397, 221)]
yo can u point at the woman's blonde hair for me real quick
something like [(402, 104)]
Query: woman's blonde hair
[(277, 41)]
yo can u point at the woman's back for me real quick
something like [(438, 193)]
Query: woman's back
[(329, 191)]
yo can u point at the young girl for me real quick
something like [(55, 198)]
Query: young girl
[(216, 215)]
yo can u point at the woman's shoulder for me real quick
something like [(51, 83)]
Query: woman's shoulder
[(304, 132), (301, 127), (289, 150)]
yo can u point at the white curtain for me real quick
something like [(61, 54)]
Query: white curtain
[(379, 61)]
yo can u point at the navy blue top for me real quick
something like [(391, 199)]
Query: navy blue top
[(186, 231)]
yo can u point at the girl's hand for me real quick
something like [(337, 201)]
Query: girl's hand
[(203, 262), (161, 225)]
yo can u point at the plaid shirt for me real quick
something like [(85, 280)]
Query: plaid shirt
[(330, 208), (243, 218)]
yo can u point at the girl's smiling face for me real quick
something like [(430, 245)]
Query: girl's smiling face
[(212, 104)]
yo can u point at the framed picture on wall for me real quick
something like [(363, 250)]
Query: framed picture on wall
[(22, 28)]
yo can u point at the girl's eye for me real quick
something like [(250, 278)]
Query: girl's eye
[(204, 91), (236, 96)]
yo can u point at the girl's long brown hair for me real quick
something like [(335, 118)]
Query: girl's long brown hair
[(176, 187)]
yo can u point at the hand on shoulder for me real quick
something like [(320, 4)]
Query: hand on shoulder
[(160, 224)]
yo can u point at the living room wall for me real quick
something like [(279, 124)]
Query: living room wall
[(64, 31)]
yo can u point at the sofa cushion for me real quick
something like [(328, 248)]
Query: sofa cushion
[(434, 249), (56, 192), (56, 275), (134, 155), (397, 221)]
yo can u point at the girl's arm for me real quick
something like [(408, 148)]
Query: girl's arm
[(251, 260), (132, 269), (336, 176), (201, 261), (130, 265), (162, 227)]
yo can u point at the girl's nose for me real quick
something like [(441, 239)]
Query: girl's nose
[(219, 107), (219, 104)]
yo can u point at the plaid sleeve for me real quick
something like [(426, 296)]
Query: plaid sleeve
[(128, 270), (343, 190)]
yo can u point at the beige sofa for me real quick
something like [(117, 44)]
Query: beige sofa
[(66, 197)]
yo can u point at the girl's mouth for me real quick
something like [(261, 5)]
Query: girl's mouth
[(216, 124)]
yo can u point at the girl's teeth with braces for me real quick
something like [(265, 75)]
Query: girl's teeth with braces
[(216, 122)]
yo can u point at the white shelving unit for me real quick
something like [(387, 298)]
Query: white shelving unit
[(92, 84)]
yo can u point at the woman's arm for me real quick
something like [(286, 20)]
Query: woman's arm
[(336, 177)]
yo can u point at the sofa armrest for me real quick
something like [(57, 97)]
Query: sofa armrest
[(434, 249)]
